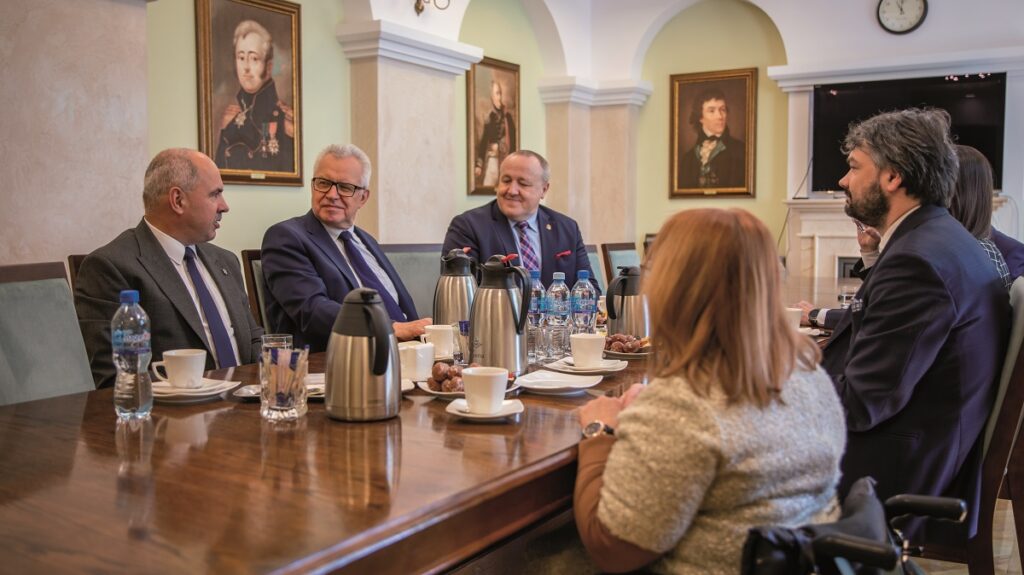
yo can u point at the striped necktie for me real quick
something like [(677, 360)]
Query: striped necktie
[(527, 256)]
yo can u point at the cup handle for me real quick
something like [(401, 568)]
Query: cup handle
[(156, 372), (423, 338)]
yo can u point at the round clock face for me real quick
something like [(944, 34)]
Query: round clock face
[(901, 16)]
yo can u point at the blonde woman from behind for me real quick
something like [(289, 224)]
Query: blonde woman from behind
[(738, 426)]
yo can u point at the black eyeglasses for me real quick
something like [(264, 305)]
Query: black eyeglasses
[(323, 186)]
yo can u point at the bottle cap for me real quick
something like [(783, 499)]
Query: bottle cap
[(558, 276), (129, 296), (535, 274), (583, 275)]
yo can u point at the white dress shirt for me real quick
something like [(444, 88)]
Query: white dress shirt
[(368, 257), (176, 253)]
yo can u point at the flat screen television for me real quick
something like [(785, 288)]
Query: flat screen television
[(976, 104)]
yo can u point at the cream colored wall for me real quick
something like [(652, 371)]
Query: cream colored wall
[(173, 112), (73, 128), (691, 42), (502, 29)]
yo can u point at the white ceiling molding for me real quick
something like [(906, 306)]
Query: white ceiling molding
[(797, 77), (579, 91), (384, 39)]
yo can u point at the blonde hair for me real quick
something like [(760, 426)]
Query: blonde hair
[(717, 317)]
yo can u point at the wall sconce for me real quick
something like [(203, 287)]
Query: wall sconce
[(421, 4)]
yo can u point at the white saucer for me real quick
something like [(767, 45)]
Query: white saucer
[(555, 383), (315, 390), (509, 407), (212, 388), (562, 366), (448, 395), (645, 353), (605, 363), (813, 332)]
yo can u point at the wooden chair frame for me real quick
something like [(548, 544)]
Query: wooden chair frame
[(248, 257), (606, 250)]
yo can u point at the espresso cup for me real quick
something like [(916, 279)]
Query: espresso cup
[(793, 315), (417, 359), (485, 388), (442, 336), (587, 349), (184, 367)]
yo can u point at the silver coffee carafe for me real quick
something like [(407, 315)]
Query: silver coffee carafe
[(363, 377), (627, 305), (453, 296), (497, 321)]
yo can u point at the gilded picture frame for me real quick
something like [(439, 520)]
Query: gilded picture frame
[(492, 109), (713, 136), (250, 101)]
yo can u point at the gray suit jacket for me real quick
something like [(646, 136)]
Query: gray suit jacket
[(136, 260)]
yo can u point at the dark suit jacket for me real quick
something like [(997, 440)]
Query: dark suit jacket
[(308, 278), (486, 231), (136, 260), (916, 360), (1012, 250), (728, 166)]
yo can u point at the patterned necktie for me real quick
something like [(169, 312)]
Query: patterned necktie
[(368, 278), (219, 333), (527, 256)]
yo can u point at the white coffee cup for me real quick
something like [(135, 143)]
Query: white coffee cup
[(485, 388), (793, 315), (587, 349), (417, 359), (441, 336), (184, 367)]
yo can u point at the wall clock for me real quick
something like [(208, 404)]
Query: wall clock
[(901, 16)]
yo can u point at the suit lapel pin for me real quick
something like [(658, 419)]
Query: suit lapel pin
[(224, 271), (548, 227)]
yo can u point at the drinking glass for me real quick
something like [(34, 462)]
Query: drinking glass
[(846, 295), (283, 383), (272, 340)]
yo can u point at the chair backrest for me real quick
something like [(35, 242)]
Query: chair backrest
[(615, 255), (41, 349), (255, 285), (419, 266), (74, 264), (648, 240), (595, 264)]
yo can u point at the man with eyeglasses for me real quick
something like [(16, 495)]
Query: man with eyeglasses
[(191, 289), (311, 262)]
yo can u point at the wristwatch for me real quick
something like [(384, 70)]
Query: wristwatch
[(812, 317), (595, 428)]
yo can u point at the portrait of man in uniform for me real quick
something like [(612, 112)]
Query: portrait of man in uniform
[(252, 126), (493, 105), (712, 133)]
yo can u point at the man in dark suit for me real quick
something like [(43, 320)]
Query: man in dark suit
[(191, 289), (717, 160), (515, 222), (312, 261), (916, 357)]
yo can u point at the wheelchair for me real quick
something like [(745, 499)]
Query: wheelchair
[(864, 541)]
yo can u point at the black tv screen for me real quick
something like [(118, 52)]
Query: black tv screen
[(976, 104)]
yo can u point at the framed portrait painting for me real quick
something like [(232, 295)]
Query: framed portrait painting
[(250, 104), (713, 117), (492, 105)]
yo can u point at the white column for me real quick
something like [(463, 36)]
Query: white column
[(403, 117)]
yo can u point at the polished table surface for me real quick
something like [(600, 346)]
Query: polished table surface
[(213, 488)]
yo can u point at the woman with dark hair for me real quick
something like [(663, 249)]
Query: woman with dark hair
[(738, 426), (971, 205)]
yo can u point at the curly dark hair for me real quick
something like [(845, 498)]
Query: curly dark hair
[(916, 144), (697, 110)]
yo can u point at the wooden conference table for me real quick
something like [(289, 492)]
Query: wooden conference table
[(213, 488)]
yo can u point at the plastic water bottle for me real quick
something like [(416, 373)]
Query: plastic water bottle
[(557, 316), (535, 347), (129, 337), (584, 304)]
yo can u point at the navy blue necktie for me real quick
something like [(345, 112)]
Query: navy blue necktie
[(368, 278), (219, 333)]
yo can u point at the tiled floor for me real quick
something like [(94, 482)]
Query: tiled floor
[(1007, 555)]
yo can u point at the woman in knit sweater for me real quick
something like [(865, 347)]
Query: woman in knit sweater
[(738, 426)]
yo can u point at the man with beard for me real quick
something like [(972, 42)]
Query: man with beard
[(916, 356), (191, 289), (258, 130), (717, 160)]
